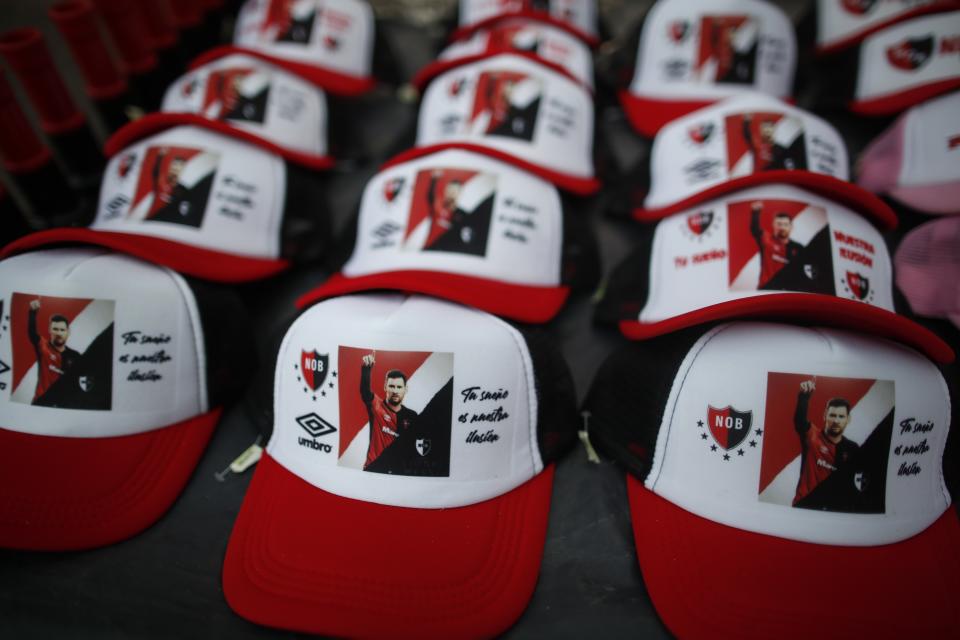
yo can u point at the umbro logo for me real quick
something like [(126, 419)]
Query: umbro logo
[(315, 425)]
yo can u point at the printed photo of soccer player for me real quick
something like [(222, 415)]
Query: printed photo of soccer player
[(174, 185), (779, 245), (395, 411), (728, 49), (831, 453), (506, 103), (62, 351), (450, 211), (764, 142), (290, 20), (236, 94)]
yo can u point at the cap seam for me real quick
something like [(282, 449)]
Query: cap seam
[(198, 338)]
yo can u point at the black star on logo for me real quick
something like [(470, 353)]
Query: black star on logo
[(739, 452), (305, 390), (759, 432), (713, 447), (334, 374), (699, 423), (323, 393), (753, 443), (703, 436), (726, 456), (298, 378), (295, 367), (330, 385), (314, 398)]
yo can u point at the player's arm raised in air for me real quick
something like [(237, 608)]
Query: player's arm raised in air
[(800, 422), (755, 230), (366, 369), (32, 332)]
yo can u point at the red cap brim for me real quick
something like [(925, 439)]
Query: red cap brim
[(435, 68), (708, 580), (338, 83), (155, 122), (183, 258), (840, 191), (894, 103), (809, 308), (573, 184), (464, 32), (525, 303), (303, 559), (648, 115), (59, 493)]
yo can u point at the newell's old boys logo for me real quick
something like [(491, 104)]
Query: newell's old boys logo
[(728, 426), (912, 53), (392, 188), (700, 133), (858, 285), (858, 7), (423, 446), (314, 368), (699, 222), (678, 30)]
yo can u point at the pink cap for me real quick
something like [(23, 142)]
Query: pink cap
[(927, 267)]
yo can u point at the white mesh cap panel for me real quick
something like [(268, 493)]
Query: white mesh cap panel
[(131, 361), (842, 22), (469, 382), (197, 187), (730, 448), (582, 14)]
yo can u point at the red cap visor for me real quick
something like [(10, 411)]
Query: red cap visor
[(60, 493), (573, 184), (649, 115), (841, 191), (708, 580), (155, 122), (303, 559), (811, 308), (338, 83), (183, 258), (525, 303)]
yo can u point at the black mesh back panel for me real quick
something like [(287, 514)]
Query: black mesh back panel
[(228, 339), (580, 260), (306, 229), (557, 418), (628, 397), (625, 291)]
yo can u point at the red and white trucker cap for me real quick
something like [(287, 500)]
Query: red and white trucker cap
[(927, 267), (748, 140), (204, 204), (844, 23), (768, 251), (785, 482), (113, 373), (543, 43), (694, 52), (917, 160), (328, 42), (248, 98), (467, 228), (578, 17), (434, 513), (907, 63), (516, 110)]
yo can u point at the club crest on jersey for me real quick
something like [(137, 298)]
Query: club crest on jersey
[(189, 87), (699, 222), (858, 285), (423, 446), (392, 188), (911, 54), (678, 30), (700, 133), (331, 43), (314, 370), (85, 383), (728, 426), (810, 271), (858, 7)]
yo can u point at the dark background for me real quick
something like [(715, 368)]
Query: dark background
[(166, 581)]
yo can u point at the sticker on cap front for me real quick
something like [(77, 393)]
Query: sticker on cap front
[(737, 138), (333, 34), (257, 97), (800, 432), (197, 187), (769, 239), (693, 49), (460, 212), (515, 106), (413, 389), (907, 56)]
